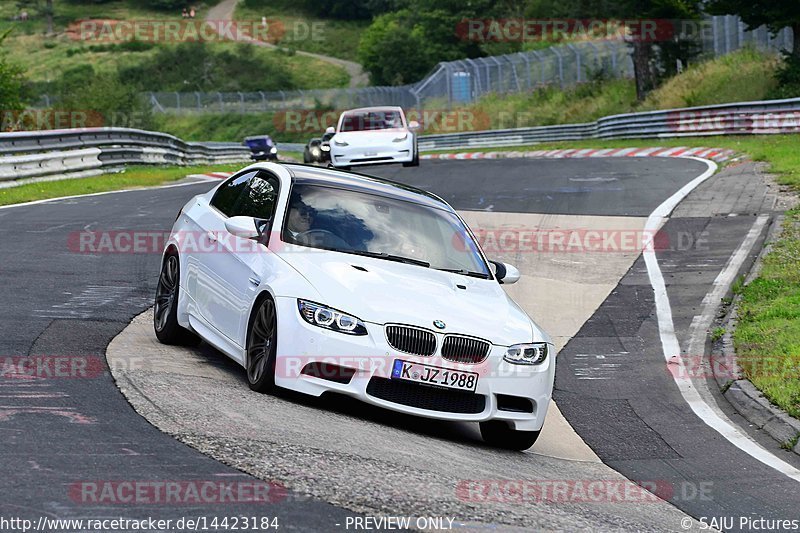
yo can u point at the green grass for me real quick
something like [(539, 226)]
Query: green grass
[(548, 106), (336, 38), (46, 57), (230, 127), (132, 177), (767, 336), (746, 75), (743, 75)]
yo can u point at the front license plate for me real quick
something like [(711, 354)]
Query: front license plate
[(433, 375)]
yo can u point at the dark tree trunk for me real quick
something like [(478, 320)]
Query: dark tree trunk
[(796, 44), (49, 16), (642, 68)]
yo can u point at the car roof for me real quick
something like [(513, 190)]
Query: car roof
[(308, 174), (377, 108)]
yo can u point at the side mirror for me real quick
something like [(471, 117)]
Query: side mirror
[(330, 129), (506, 274), (413, 125), (243, 227)]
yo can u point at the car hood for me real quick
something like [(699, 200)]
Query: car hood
[(382, 291), (370, 138)]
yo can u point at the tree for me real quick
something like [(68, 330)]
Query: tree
[(12, 82), (775, 14), (402, 46), (385, 51), (647, 55)]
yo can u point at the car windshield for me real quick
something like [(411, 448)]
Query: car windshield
[(366, 224), (371, 120)]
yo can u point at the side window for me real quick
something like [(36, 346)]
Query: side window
[(227, 195), (258, 199)]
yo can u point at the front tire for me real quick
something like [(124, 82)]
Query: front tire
[(262, 341), (500, 435), (165, 309), (415, 160)]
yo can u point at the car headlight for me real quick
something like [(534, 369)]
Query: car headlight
[(527, 354), (326, 148), (325, 317), (273, 150), (401, 139), (315, 151), (339, 143)]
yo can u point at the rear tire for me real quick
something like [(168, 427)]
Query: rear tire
[(165, 309), (500, 435), (262, 341)]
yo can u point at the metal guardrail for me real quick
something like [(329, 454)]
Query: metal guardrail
[(745, 118), (87, 151), (82, 151)]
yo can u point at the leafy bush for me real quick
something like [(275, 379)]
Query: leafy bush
[(788, 77), (104, 95), (12, 82), (195, 66)]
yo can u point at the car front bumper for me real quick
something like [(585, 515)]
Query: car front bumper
[(348, 156), (368, 362)]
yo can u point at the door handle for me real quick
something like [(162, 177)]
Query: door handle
[(255, 280)]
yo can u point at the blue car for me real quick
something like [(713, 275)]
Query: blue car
[(262, 148)]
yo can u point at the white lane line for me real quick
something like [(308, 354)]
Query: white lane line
[(708, 310), (671, 347), (48, 200)]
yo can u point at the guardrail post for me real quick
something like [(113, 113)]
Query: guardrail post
[(219, 99), (178, 100), (241, 102), (197, 98)]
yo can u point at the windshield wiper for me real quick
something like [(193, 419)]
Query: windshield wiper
[(388, 257), (464, 272)]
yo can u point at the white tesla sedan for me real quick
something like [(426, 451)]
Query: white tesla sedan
[(374, 135), (319, 281)]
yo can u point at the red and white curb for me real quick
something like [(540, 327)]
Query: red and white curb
[(211, 175), (715, 154)]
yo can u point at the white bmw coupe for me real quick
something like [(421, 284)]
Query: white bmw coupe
[(323, 281), (374, 135)]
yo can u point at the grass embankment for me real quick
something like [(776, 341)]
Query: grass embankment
[(46, 57), (330, 37), (743, 75), (132, 177), (767, 337)]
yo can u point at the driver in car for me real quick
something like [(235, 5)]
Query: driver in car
[(299, 221)]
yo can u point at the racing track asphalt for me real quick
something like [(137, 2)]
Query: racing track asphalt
[(60, 302)]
